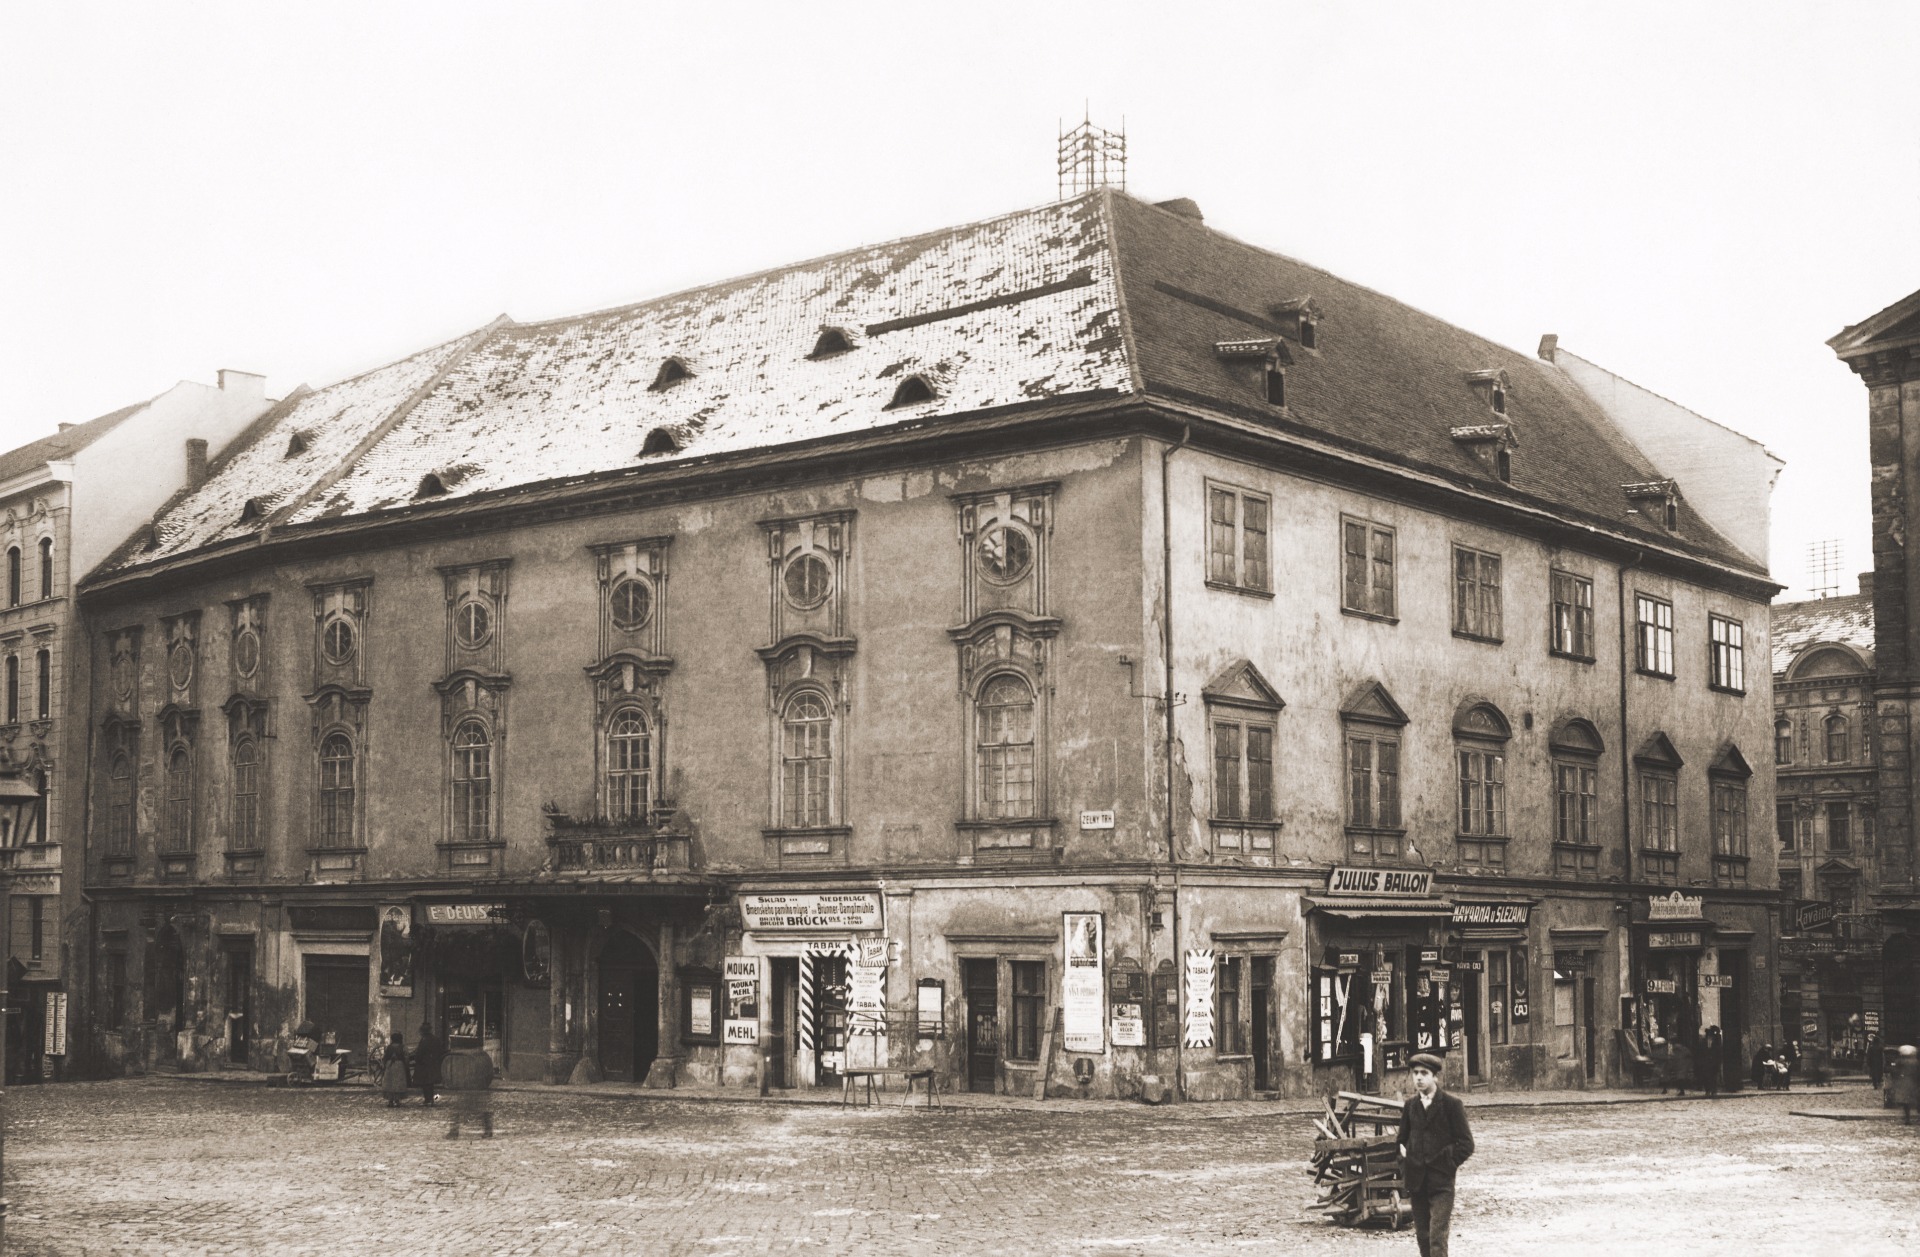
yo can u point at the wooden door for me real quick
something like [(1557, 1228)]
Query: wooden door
[(629, 1008), (337, 993), (782, 1034), (1263, 1023), (239, 1004), (983, 1023)]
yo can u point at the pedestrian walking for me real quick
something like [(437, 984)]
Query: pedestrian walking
[(427, 1059), (1876, 1060), (393, 1074), (1906, 1081), (1707, 1061), (1434, 1142)]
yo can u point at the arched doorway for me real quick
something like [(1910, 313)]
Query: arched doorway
[(166, 991), (629, 1008), (1900, 978)]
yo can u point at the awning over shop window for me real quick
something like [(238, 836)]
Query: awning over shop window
[(1359, 907)]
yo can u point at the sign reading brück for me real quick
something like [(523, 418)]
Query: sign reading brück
[(1491, 913), (1408, 882), (834, 910)]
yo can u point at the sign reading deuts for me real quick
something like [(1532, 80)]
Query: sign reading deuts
[(849, 910)]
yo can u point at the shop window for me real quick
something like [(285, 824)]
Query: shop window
[(1029, 1009), (1229, 1025), (1237, 557), (1726, 654), (1004, 749), (1367, 582), (806, 761), (1653, 637), (471, 1012), (1499, 998), (1783, 826), (337, 774), (1336, 997), (1783, 741), (1476, 594), (1571, 625), (1839, 828), (1838, 739), (700, 1011)]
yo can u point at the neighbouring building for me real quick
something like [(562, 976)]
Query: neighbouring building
[(1826, 801), (1884, 351), (1077, 648), (66, 501)]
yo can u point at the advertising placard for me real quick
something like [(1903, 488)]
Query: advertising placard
[(1361, 881), (1200, 998), (845, 910), (56, 1040), (465, 913), (741, 1031), (867, 992), (1676, 907), (700, 1010), (1129, 1026), (396, 951), (1083, 983)]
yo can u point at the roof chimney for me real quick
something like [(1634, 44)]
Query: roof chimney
[(1866, 583), (1548, 345), (197, 455), (245, 383), (1184, 206)]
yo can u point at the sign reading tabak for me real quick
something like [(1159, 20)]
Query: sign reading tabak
[(1408, 882), (832, 910)]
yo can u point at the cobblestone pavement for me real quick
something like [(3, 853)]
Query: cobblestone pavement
[(182, 1166)]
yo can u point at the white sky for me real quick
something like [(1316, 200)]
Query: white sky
[(1695, 196)]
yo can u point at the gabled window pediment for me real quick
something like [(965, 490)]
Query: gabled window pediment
[(1730, 763), (1372, 703), (1657, 752), (1241, 684)]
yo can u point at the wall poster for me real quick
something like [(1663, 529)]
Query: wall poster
[(396, 951), (1200, 997), (1083, 983)]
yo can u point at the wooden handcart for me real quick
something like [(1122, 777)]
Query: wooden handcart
[(1356, 1162)]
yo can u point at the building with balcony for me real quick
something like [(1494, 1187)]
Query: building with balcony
[(1072, 648), (66, 501)]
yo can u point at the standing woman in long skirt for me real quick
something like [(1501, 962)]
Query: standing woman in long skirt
[(393, 1077)]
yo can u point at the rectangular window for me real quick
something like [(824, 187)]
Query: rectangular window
[(1839, 831), (1374, 777), (1783, 826), (1499, 1010), (1729, 818), (1476, 594), (1727, 661), (1576, 795), (1659, 825), (1572, 623), (1483, 793), (1230, 1031), (1654, 638), (1367, 572), (1237, 539), (1029, 1009), (1242, 771), (37, 926)]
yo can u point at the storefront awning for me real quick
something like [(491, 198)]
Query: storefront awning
[(1359, 907)]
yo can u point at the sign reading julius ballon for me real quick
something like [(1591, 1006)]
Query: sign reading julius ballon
[(1355, 881)]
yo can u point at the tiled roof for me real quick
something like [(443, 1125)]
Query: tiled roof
[(1798, 625), (1026, 307), (61, 444)]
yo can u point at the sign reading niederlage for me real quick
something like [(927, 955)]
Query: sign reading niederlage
[(1200, 997), (1083, 983), (848, 910)]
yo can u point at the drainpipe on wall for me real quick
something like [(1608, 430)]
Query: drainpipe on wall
[(1626, 779), (1166, 650)]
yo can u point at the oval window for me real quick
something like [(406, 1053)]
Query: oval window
[(337, 641), (180, 665), (632, 604), (246, 652), (1006, 553), (472, 624), (809, 580)]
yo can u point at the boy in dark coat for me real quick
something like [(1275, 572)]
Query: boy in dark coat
[(427, 1057), (1434, 1141)]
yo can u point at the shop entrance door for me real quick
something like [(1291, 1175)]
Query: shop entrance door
[(166, 993), (983, 1024), (1472, 996), (1900, 979), (1733, 1015), (239, 1004), (829, 1019), (337, 989), (629, 1009), (1262, 1023), (781, 1036), (1588, 1029)]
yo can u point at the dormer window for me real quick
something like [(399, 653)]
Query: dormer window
[(1499, 400), (1503, 466), (297, 443), (1269, 353), (1276, 387), (833, 342), (1493, 386), (660, 441), (1491, 445), (431, 486), (1307, 333), (912, 391), (1657, 501), (1299, 319), (672, 371), (251, 510)]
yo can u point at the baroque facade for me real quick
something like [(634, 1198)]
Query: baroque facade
[(1075, 649)]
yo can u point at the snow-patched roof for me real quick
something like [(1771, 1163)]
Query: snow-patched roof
[(1847, 621), (1028, 307)]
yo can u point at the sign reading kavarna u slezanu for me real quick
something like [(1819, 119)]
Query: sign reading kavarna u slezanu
[(830, 910), (1353, 881)]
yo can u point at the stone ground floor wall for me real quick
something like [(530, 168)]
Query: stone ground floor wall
[(1228, 985)]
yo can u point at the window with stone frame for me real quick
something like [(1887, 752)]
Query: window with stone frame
[(123, 760), (1367, 568), (1726, 654), (1575, 748), (339, 782), (1243, 713), (1657, 788), (1229, 1018), (176, 825), (1653, 635), (473, 689), (470, 781), (1238, 557), (1570, 625), (1480, 736), (1783, 741), (1839, 737), (43, 684), (46, 568), (808, 660), (1476, 594), (1839, 817), (1785, 826), (247, 744), (13, 689), (628, 789), (341, 612), (1005, 749), (246, 765), (1371, 727), (1029, 1006), (806, 761), (13, 576)]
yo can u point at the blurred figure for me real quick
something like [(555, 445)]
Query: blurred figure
[(393, 1074), (1906, 1081), (1876, 1060), (1706, 1064)]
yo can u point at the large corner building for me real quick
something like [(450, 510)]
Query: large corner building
[(1076, 644)]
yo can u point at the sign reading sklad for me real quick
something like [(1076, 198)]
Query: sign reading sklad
[(1352, 881), (833, 910)]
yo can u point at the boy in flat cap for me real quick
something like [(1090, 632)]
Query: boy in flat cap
[(1434, 1140)]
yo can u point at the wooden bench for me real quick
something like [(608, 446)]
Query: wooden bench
[(851, 1078)]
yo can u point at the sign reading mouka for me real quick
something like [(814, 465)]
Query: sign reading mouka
[(1407, 882), (848, 910)]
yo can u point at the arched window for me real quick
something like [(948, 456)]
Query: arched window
[(336, 791), (246, 794), (1480, 734), (178, 830), (13, 576), (120, 804), (1837, 750), (1783, 741), (46, 567), (629, 766), (43, 687), (1004, 749), (13, 689), (806, 761), (472, 783)]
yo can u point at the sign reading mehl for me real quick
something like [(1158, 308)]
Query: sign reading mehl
[(835, 910), (1346, 881)]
